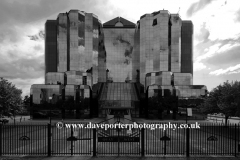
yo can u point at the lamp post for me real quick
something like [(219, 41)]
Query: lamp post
[(186, 110), (50, 98)]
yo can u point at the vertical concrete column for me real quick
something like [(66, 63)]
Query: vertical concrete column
[(176, 43)]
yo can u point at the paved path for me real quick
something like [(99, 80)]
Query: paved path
[(221, 119), (142, 120), (45, 121)]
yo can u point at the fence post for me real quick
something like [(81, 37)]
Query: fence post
[(165, 143), (71, 140), (49, 139), (142, 142), (1, 130), (94, 142), (235, 139), (187, 142)]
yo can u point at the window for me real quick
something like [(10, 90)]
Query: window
[(154, 22), (84, 80)]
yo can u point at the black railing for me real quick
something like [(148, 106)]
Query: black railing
[(48, 140)]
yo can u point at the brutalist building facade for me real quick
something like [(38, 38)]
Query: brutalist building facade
[(95, 70)]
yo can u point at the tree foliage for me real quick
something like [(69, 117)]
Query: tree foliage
[(10, 97), (157, 104), (225, 99), (26, 100), (163, 103)]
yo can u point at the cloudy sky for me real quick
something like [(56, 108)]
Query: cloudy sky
[(216, 34)]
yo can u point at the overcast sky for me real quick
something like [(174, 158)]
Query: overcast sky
[(216, 34)]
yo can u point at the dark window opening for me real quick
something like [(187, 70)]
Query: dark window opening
[(84, 80), (167, 93), (172, 80), (154, 22)]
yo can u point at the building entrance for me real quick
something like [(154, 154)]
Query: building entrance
[(119, 112)]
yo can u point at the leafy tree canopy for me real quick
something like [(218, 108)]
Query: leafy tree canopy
[(225, 99), (10, 97), (26, 100), (163, 103)]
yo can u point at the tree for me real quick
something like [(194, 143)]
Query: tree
[(10, 97), (163, 103), (26, 103), (223, 99), (155, 104), (26, 100)]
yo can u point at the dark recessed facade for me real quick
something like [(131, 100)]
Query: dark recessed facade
[(98, 70), (187, 47), (51, 46)]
